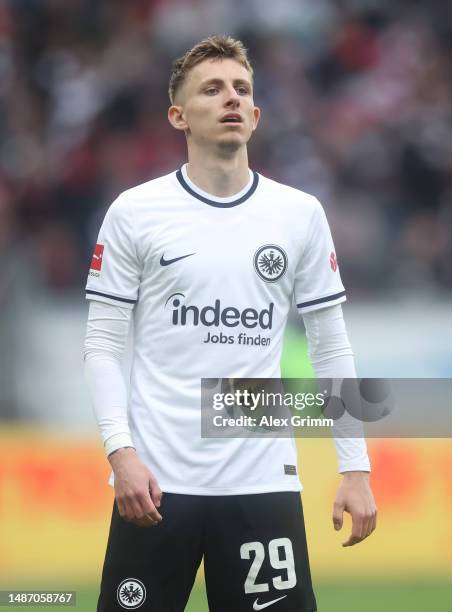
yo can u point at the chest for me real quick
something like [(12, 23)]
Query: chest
[(235, 251)]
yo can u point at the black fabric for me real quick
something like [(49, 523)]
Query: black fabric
[(165, 558), (262, 518)]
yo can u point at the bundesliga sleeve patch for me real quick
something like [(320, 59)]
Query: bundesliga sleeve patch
[(96, 262)]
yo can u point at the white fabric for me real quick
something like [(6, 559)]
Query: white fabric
[(188, 268), (106, 337), (332, 357), (329, 350), (317, 283)]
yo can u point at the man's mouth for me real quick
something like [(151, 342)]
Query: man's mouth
[(231, 119)]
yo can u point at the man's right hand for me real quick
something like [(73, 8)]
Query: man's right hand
[(137, 492)]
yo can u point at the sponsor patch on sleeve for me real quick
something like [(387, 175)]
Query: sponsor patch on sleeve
[(96, 262)]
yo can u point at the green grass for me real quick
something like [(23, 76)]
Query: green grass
[(385, 597), (433, 596)]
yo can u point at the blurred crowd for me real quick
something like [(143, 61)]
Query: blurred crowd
[(357, 109)]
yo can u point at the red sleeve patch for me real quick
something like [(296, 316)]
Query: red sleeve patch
[(96, 262)]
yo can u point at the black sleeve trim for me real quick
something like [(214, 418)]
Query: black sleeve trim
[(111, 297), (329, 298)]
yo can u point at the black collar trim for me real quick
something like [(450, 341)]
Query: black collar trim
[(244, 197)]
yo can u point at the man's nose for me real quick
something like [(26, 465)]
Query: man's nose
[(232, 99)]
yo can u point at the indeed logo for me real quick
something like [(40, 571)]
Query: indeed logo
[(214, 316)]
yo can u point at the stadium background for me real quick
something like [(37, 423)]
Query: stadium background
[(357, 109)]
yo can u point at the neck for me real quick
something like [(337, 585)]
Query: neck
[(221, 177)]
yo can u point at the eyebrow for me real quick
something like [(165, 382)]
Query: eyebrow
[(216, 81)]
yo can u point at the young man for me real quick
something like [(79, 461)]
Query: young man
[(213, 248)]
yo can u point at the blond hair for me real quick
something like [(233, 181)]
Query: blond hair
[(214, 47)]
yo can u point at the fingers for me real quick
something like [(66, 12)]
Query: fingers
[(138, 494), (155, 492), (146, 521), (352, 540), (373, 521), (338, 515), (149, 502), (152, 512), (363, 524), (138, 508), (358, 519), (121, 507)]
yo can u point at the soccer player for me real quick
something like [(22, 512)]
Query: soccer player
[(213, 250)]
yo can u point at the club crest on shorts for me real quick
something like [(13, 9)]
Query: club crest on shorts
[(131, 594), (270, 262)]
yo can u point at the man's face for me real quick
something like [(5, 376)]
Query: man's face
[(217, 107)]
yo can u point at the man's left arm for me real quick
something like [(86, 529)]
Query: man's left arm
[(332, 357)]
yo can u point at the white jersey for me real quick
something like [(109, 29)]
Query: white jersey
[(211, 281)]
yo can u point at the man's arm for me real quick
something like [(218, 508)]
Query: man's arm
[(137, 492), (332, 357)]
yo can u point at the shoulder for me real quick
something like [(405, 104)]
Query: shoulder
[(289, 198), (145, 193), (127, 211)]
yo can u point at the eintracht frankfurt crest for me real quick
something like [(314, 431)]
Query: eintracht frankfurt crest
[(270, 262), (131, 593)]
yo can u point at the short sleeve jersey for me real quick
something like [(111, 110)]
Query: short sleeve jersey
[(211, 281)]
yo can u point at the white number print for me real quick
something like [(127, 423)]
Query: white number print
[(285, 562), (259, 556)]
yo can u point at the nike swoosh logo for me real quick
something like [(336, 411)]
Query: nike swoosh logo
[(168, 262), (258, 606)]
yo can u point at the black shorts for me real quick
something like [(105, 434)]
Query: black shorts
[(254, 549)]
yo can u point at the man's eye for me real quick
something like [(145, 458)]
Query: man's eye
[(211, 91), (242, 90)]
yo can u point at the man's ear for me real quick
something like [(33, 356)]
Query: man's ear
[(256, 116), (176, 117)]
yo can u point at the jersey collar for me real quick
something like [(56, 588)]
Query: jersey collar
[(218, 202)]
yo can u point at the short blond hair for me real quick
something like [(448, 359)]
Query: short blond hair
[(214, 47)]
